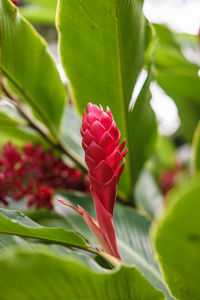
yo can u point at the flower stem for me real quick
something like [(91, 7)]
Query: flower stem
[(52, 139)]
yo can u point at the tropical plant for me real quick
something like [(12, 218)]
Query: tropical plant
[(147, 247)]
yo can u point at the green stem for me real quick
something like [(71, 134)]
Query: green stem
[(52, 139)]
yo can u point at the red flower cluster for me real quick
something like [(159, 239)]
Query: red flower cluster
[(167, 180), (169, 177), (34, 173)]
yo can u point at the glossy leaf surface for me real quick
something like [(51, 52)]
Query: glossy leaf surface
[(132, 232), (53, 277), (177, 240), (16, 223)]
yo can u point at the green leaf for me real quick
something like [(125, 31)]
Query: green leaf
[(143, 128), (30, 68), (196, 149), (48, 218), (42, 12), (102, 45), (16, 223), (132, 236), (177, 240), (53, 277), (148, 195)]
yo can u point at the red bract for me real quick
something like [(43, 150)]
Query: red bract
[(103, 156), (167, 180), (35, 173)]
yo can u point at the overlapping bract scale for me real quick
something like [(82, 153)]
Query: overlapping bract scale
[(101, 137), (104, 157)]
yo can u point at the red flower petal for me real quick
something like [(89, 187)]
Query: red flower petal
[(107, 143), (95, 152), (103, 173), (106, 121), (97, 130), (114, 132)]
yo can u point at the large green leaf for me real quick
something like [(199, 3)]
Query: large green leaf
[(132, 236), (196, 149), (177, 240), (26, 63), (40, 274), (16, 223), (178, 77), (102, 45)]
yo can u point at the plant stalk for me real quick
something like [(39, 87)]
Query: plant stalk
[(53, 140)]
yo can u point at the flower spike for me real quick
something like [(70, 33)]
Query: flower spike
[(105, 161)]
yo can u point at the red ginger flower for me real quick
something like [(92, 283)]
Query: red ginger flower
[(103, 155)]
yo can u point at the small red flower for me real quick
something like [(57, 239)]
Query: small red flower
[(103, 156), (169, 177), (167, 180)]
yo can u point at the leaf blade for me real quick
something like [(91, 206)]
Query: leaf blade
[(16, 223), (68, 278), (30, 71), (180, 261)]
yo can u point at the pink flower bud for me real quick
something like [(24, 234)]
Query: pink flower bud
[(103, 156)]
